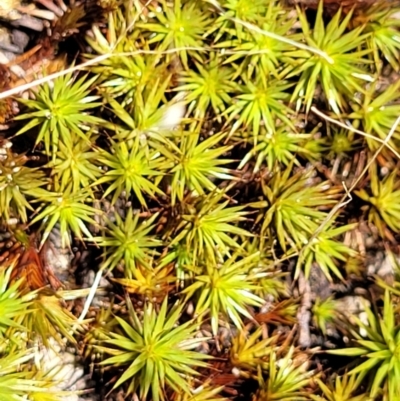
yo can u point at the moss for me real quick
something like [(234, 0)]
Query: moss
[(218, 161)]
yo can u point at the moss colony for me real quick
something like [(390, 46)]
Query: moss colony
[(208, 209)]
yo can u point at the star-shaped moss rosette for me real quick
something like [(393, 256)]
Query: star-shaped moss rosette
[(226, 289), (72, 211), (155, 351), (60, 109), (340, 68), (128, 241), (207, 226), (19, 184), (382, 198), (378, 350)]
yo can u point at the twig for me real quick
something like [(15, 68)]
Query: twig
[(255, 28), (356, 131), (103, 57), (89, 299), (98, 59)]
